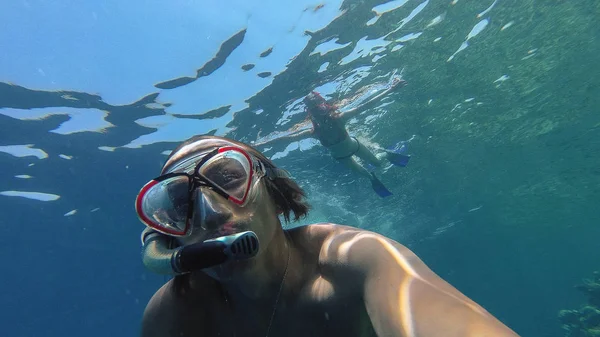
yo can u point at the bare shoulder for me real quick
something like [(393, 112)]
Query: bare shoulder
[(344, 246), (158, 310), (180, 307), (314, 236), (330, 236), (349, 249)]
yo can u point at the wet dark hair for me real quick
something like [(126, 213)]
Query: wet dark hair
[(288, 196), (317, 106)]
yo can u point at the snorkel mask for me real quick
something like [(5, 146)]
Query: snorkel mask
[(166, 203)]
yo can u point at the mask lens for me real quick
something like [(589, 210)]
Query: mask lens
[(229, 171), (163, 205)]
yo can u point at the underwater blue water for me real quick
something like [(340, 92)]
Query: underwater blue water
[(500, 116)]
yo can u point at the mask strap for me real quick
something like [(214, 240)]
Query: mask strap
[(274, 173)]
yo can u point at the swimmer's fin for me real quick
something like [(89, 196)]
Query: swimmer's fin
[(378, 187), (397, 156), (397, 159)]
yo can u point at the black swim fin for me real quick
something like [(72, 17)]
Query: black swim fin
[(397, 159), (378, 187)]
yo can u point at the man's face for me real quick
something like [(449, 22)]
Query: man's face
[(214, 216)]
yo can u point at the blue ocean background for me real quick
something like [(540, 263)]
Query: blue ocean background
[(500, 115)]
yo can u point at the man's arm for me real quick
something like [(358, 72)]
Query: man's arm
[(349, 114), (403, 297)]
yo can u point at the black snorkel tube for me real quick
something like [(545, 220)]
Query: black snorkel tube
[(158, 257)]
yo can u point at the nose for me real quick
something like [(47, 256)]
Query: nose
[(210, 210)]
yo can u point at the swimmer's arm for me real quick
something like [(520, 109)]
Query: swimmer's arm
[(403, 297), (288, 139), (349, 114)]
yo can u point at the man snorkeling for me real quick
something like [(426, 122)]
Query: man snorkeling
[(329, 127), (213, 221)]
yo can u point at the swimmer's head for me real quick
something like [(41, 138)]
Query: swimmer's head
[(316, 105)]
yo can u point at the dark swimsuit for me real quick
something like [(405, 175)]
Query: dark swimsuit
[(336, 134), (351, 153)]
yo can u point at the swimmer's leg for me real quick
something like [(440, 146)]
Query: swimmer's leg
[(354, 166), (365, 154), (377, 185), (394, 155)]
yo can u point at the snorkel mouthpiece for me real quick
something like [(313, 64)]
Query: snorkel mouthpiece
[(239, 246), (160, 259), (210, 253)]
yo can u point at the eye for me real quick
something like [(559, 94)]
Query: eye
[(225, 173)]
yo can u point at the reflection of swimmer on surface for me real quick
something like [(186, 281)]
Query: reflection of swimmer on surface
[(329, 127), (314, 280)]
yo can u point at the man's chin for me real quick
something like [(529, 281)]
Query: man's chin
[(225, 272)]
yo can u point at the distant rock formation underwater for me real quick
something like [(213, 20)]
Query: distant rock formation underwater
[(584, 322)]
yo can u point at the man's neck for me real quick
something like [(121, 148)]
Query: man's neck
[(265, 276)]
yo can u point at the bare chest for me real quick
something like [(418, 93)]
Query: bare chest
[(306, 315), (335, 317)]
